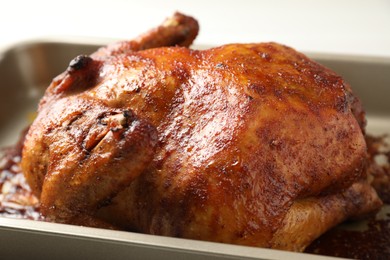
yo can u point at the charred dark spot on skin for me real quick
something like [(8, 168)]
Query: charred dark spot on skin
[(80, 62), (82, 73), (137, 89)]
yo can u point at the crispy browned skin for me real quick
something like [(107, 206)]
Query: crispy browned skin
[(245, 143)]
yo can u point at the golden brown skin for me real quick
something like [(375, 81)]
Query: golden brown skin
[(245, 143)]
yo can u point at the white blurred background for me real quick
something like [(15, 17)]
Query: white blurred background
[(330, 26)]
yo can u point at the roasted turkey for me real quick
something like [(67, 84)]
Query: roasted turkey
[(251, 144)]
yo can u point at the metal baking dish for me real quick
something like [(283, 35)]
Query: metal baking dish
[(27, 68)]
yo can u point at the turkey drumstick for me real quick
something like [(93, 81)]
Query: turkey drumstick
[(177, 30)]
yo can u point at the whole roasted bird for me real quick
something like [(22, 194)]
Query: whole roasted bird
[(252, 144)]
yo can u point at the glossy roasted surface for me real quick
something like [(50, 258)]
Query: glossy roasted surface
[(250, 144), (370, 236)]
